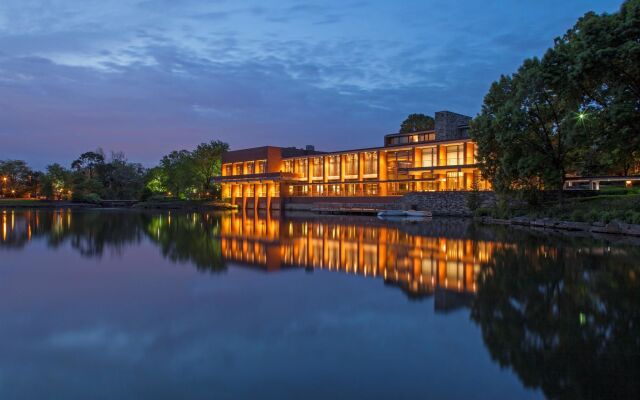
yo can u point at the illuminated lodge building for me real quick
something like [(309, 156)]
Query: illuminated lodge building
[(419, 265), (439, 160)]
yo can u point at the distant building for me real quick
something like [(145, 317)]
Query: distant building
[(439, 160)]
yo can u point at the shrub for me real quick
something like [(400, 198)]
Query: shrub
[(577, 215), (591, 215), (614, 190), (146, 194), (91, 198), (632, 217)]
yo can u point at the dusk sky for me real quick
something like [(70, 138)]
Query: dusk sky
[(150, 76)]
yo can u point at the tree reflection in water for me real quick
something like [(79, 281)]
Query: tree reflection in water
[(187, 238), (565, 317), (563, 313), (90, 233)]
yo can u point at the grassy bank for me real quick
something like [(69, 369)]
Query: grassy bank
[(610, 205), (34, 203), (159, 204), (184, 205)]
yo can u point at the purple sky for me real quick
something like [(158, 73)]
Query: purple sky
[(150, 76)]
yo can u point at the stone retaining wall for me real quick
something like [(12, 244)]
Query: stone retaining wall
[(454, 203), (612, 228)]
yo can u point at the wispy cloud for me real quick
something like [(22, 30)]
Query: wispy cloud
[(149, 76)]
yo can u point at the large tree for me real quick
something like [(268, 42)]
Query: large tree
[(122, 179), (417, 123), (56, 182), (525, 131), (575, 111), (598, 59), (17, 178), (207, 164), (177, 173), (89, 162)]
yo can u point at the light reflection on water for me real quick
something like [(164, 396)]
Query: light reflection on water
[(94, 298)]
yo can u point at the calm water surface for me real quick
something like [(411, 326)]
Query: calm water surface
[(125, 305)]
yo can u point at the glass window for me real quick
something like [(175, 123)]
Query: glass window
[(371, 189), (351, 166), (302, 167), (454, 180), (239, 169), (455, 155), (287, 166), (250, 166), (261, 167), (317, 167), (334, 166), (370, 163), (429, 157), (228, 169), (472, 153), (398, 162)]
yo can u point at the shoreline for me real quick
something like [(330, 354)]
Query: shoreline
[(616, 228), (611, 228), (124, 205)]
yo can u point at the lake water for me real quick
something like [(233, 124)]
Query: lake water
[(127, 305)]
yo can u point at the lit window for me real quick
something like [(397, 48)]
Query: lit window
[(455, 155), (351, 166), (370, 163), (334, 166), (429, 157), (317, 167), (288, 167), (454, 180), (301, 167)]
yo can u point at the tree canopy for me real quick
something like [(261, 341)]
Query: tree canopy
[(417, 123), (189, 174), (574, 111), (17, 178)]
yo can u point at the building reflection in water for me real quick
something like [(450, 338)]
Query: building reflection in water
[(560, 311), (421, 266)]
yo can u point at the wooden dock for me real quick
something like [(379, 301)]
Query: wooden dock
[(345, 209)]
